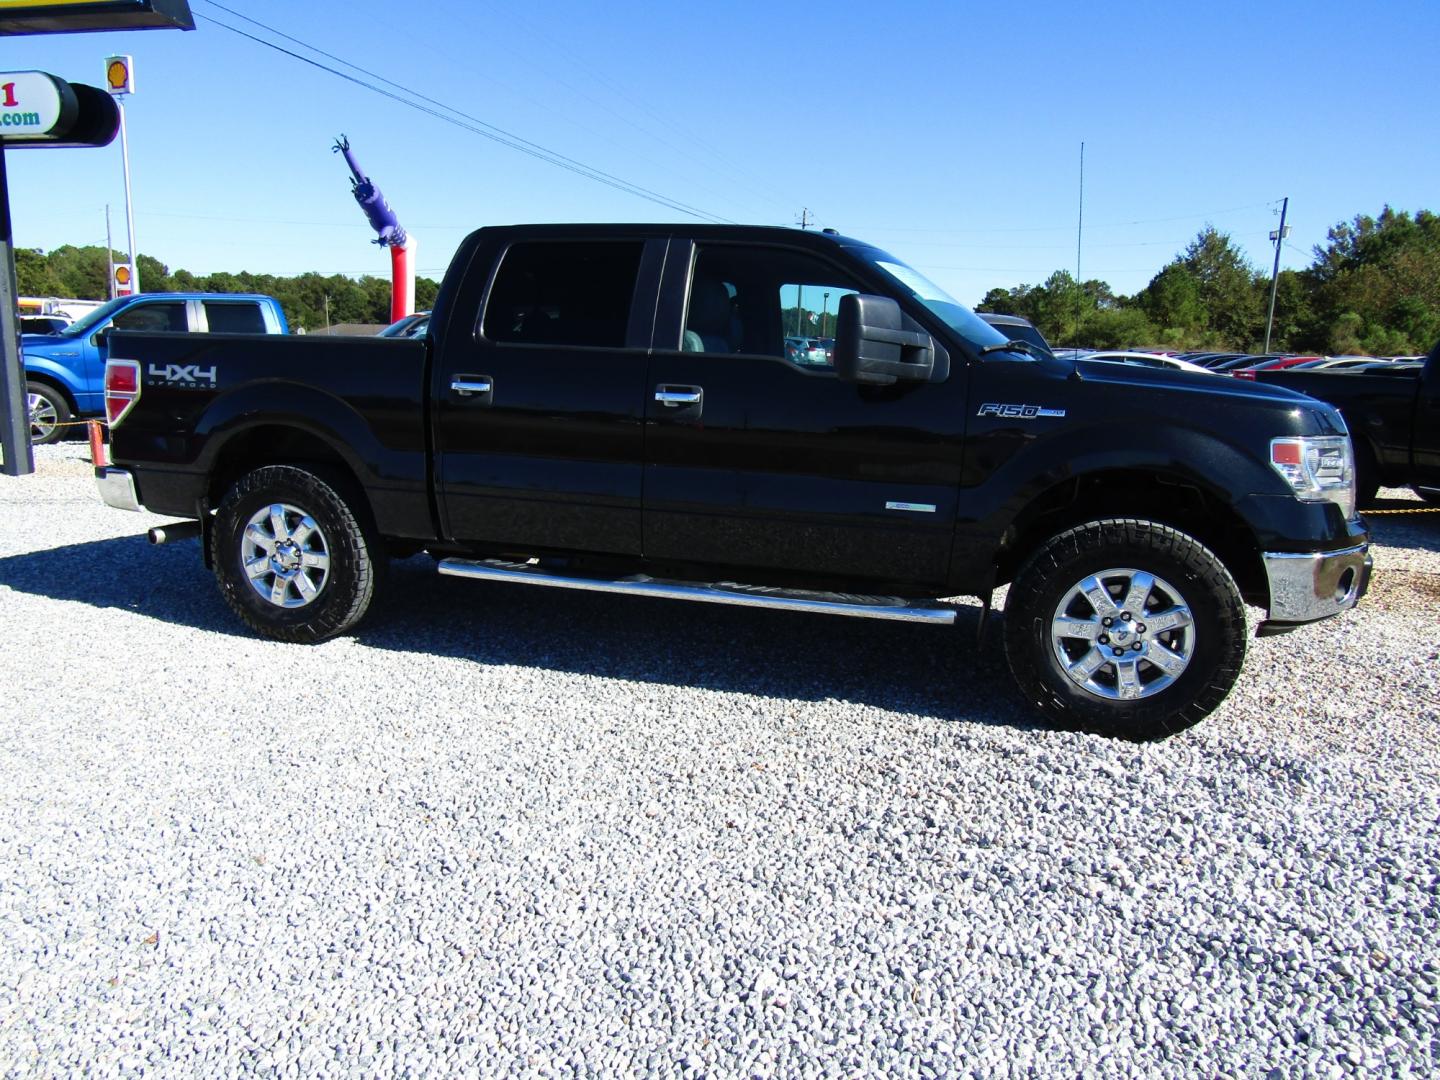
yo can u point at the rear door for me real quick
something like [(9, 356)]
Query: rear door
[(539, 384), (757, 456)]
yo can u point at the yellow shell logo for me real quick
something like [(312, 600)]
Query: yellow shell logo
[(117, 74), (122, 275)]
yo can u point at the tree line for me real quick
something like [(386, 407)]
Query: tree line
[(311, 301), (1373, 287)]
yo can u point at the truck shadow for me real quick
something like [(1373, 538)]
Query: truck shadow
[(930, 671)]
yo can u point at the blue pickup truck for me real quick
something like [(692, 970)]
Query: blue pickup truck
[(65, 372)]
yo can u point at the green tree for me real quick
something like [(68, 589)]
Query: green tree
[(1385, 272), (33, 274)]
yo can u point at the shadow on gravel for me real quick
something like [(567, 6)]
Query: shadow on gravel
[(167, 582), (930, 671), (927, 670)]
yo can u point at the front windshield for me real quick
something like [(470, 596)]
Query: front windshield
[(954, 314), (83, 325)]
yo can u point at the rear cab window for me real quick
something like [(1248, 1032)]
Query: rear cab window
[(569, 293), (234, 317)]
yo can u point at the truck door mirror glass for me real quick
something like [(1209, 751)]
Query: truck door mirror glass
[(99, 337), (873, 346)]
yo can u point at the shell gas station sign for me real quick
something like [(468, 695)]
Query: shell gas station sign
[(73, 16), (38, 109)]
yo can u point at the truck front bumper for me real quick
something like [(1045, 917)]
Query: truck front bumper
[(117, 488), (1315, 585)]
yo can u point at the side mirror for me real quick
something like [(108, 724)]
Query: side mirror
[(100, 336), (872, 346)]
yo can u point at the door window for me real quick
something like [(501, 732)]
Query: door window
[(764, 302), (150, 317), (563, 294)]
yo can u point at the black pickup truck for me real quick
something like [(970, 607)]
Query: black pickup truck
[(610, 407), (1393, 413)]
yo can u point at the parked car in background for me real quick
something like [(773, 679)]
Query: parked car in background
[(1017, 329), (65, 372), (1393, 412), (1144, 359), (44, 325), (807, 350), (411, 326)]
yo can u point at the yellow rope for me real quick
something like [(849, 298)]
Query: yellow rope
[(1417, 510)]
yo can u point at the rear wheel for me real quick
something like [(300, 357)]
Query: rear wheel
[(1125, 627), (292, 558), (49, 412)]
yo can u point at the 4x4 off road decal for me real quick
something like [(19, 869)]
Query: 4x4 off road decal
[(183, 375), (1018, 412)]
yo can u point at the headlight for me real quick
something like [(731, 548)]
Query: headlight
[(1318, 468)]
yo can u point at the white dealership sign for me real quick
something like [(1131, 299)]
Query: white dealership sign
[(30, 103)]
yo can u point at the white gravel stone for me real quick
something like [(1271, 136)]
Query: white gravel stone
[(510, 832)]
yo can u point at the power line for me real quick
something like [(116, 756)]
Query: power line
[(476, 126), (1064, 228)]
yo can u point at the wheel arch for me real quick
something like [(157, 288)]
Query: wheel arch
[(1180, 501), (267, 444), (55, 383)]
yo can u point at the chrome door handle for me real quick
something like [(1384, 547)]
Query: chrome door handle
[(465, 385), (675, 396)]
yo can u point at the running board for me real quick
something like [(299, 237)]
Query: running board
[(722, 592)]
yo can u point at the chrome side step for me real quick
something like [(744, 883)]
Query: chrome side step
[(722, 592)]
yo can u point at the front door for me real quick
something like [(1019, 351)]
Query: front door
[(540, 386), (758, 456)]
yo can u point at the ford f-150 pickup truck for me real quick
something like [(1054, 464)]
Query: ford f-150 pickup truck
[(1393, 414), (64, 371), (610, 407)]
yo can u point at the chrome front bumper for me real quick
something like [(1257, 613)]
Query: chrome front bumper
[(117, 488), (1316, 585)]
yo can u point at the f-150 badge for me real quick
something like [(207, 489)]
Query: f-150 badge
[(1018, 412), (183, 375)]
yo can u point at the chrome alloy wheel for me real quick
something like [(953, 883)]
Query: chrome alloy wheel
[(43, 416), (1123, 634), (285, 556)]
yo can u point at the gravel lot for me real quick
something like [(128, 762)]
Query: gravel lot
[(507, 831)]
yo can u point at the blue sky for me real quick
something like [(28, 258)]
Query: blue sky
[(948, 133)]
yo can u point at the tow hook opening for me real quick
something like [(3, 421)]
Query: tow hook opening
[(1345, 587)]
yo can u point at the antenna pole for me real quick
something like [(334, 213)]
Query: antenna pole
[(1079, 234)]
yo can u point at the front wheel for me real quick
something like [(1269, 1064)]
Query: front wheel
[(1125, 627), (292, 558), (48, 412)]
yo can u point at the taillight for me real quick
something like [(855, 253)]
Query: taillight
[(122, 389)]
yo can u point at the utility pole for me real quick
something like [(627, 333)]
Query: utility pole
[(109, 256), (1278, 236), (805, 219), (327, 311)]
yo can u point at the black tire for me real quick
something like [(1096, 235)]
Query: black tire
[(354, 557), (1367, 475), (1214, 641), (48, 411)]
